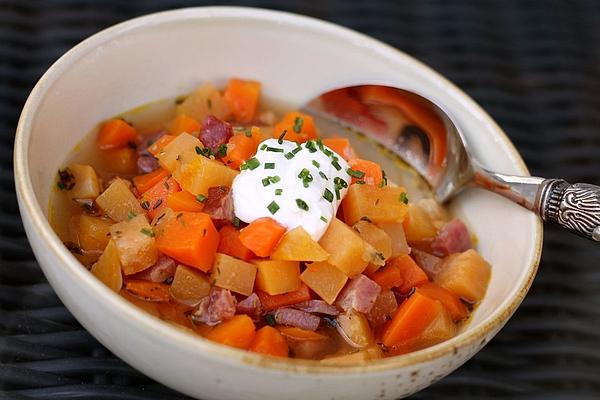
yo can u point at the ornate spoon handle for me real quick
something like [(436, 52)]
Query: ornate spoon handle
[(573, 206)]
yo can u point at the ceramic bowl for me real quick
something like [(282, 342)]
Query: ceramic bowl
[(167, 54)]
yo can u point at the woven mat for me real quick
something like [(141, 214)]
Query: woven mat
[(534, 66)]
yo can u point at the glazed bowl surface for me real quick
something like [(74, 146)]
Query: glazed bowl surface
[(168, 54)]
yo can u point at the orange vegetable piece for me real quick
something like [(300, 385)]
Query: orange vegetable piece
[(238, 332), (190, 238), (122, 160), (157, 146), (183, 123), (154, 200), (269, 341), (299, 334), (231, 245), (115, 133), (412, 275), (184, 201), (242, 96), (144, 182), (149, 291), (411, 319), (299, 127), (281, 300), (341, 146), (262, 236), (388, 277), (241, 147), (456, 308), (372, 170)]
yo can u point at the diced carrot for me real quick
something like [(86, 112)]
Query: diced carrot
[(373, 174), (456, 308), (182, 123), (300, 334), (262, 236), (238, 332), (410, 320), (341, 146), (298, 127), (241, 147), (388, 277), (120, 161), (157, 146), (281, 300), (231, 245), (190, 238), (150, 291), (154, 200), (115, 133), (242, 96), (144, 182), (412, 275), (184, 201), (269, 341)]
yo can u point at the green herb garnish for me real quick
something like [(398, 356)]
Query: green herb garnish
[(328, 195), (336, 164), (250, 164), (198, 150), (302, 204), (383, 179), (355, 173), (201, 198), (322, 175), (316, 163), (66, 179), (222, 150), (236, 222), (310, 145), (403, 198), (298, 122), (280, 140), (278, 192), (263, 146), (147, 232), (273, 207), (269, 165), (323, 219), (275, 149), (131, 215), (270, 320)]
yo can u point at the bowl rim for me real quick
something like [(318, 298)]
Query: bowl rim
[(30, 208)]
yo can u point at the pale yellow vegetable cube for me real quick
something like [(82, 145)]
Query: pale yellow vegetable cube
[(87, 185), (118, 202), (324, 279), (347, 251), (396, 233), (135, 242), (108, 267), (169, 156), (277, 276), (466, 274), (206, 100), (197, 174), (385, 204), (233, 274), (354, 328), (297, 245), (189, 285), (93, 233)]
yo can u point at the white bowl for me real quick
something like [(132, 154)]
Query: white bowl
[(167, 54)]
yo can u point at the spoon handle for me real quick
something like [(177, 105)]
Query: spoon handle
[(575, 207)]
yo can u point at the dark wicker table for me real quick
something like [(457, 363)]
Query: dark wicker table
[(533, 65)]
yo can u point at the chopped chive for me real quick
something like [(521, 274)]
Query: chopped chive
[(266, 182), (297, 149), (310, 145), (278, 192), (403, 198), (383, 180), (236, 222), (323, 219), (361, 182), (320, 144), (201, 198), (316, 163), (270, 179), (337, 193), (222, 150), (323, 175), (328, 195), (147, 232), (273, 207), (270, 320), (250, 164), (355, 173), (146, 205), (263, 146), (298, 122), (275, 149), (198, 150), (302, 204), (340, 182), (275, 179), (248, 133), (289, 155), (269, 165), (336, 165), (130, 215), (327, 152), (280, 140)]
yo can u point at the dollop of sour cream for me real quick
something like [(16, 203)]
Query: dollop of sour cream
[(295, 184)]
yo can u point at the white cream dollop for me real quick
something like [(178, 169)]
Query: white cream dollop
[(282, 176)]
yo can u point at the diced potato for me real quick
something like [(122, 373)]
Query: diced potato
[(233, 274), (118, 202), (466, 274), (396, 233), (197, 173), (418, 226), (378, 204), (354, 327), (297, 245), (440, 329), (324, 279), (356, 358), (135, 242), (277, 276), (347, 250), (169, 156), (189, 285), (108, 267), (379, 240), (93, 232), (86, 181), (206, 100), (121, 161)]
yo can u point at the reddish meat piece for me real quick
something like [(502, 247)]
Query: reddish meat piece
[(454, 237), (317, 306), (360, 294), (428, 262), (163, 269), (383, 309), (146, 163), (218, 306), (300, 319), (215, 132), (250, 306), (219, 204)]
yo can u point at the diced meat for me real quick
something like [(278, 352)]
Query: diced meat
[(162, 270), (219, 204), (215, 132), (428, 262), (250, 306), (383, 309), (218, 306), (297, 318), (146, 163), (454, 237), (317, 306), (359, 294)]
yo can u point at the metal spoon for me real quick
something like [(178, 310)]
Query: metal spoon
[(425, 136)]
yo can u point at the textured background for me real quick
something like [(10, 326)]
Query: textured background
[(534, 66)]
